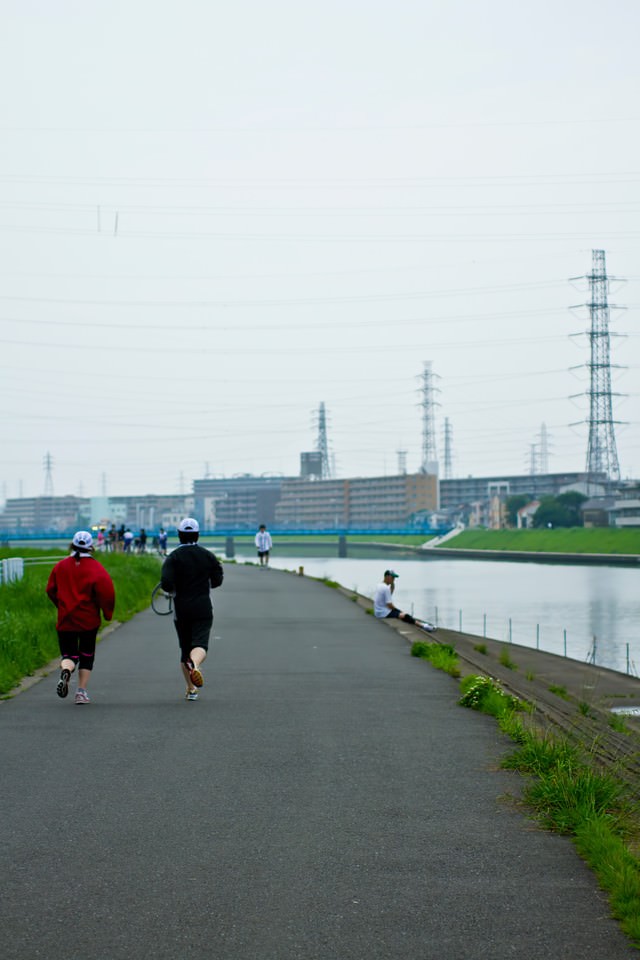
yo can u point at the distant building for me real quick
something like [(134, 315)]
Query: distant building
[(525, 515), (625, 510), (596, 512), (44, 514), (361, 503), (236, 503), (459, 494), (63, 515)]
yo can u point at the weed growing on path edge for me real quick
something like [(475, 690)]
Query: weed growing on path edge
[(440, 655), (506, 660), (570, 796), (486, 695)]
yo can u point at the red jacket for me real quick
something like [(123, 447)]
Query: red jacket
[(80, 589)]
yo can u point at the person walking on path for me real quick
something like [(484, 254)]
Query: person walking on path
[(189, 573), (263, 544), (383, 605), (162, 542), (81, 589)]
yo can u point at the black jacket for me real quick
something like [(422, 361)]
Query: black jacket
[(190, 572)]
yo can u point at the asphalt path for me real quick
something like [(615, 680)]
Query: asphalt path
[(325, 799)]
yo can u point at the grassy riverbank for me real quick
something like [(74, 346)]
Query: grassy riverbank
[(604, 540), (596, 540), (28, 638)]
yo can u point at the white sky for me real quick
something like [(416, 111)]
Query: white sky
[(214, 216)]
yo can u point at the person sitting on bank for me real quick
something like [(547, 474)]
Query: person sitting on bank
[(384, 607)]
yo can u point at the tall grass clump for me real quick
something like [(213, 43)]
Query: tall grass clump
[(440, 655), (570, 796), (28, 638), (486, 695)]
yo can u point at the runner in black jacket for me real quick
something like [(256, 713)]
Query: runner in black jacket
[(189, 573)]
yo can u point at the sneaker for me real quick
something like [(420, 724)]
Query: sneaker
[(194, 675), (191, 695), (82, 697), (63, 683), (429, 627)]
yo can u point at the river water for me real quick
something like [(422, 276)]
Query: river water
[(558, 608)]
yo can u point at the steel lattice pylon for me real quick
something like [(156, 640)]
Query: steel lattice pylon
[(322, 443), (429, 450), (602, 455)]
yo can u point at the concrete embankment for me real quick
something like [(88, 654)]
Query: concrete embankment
[(524, 556)]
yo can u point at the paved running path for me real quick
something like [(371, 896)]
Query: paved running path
[(326, 799)]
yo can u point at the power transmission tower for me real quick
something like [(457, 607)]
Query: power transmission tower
[(428, 404), (543, 449), (402, 461), (48, 475), (322, 443), (602, 455), (448, 455)]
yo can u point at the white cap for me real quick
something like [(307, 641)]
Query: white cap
[(188, 525), (83, 539)]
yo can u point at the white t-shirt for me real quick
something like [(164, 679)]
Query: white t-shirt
[(381, 598), (263, 541)]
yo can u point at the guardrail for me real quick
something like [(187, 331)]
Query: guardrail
[(11, 569)]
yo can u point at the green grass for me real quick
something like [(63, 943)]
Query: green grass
[(506, 661), (560, 540), (486, 695), (440, 655), (28, 638), (596, 809), (570, 795)]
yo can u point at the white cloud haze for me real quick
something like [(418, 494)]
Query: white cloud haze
[(214, 217)]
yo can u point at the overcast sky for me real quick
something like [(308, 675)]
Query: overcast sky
[(216, 216)]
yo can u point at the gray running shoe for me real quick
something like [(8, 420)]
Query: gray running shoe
[(82, 697), (63, 683)]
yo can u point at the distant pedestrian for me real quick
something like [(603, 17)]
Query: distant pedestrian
[(189, 574), (112, 538), (101, 540), (127, 540), (264, 544), (384, 607), (81, 589), (142, 541), (162, 542)]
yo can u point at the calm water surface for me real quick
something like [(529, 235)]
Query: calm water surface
[(531, 604)]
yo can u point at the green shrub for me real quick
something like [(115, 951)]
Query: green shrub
[(486, 695)]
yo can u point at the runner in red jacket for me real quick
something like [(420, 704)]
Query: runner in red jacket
[(81, 589)]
